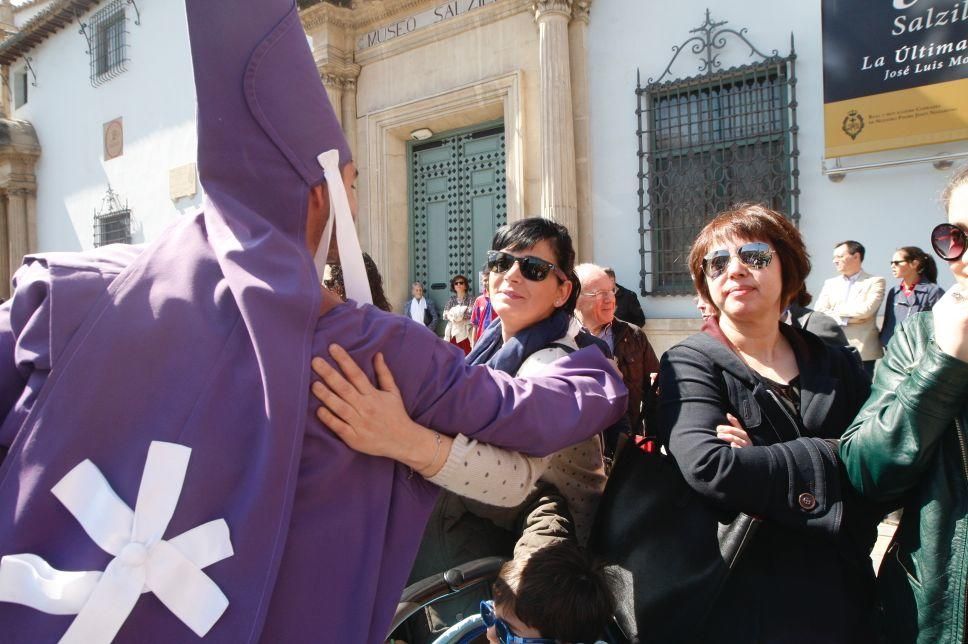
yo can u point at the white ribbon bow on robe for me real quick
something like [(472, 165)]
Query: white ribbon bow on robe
[(143, 561)]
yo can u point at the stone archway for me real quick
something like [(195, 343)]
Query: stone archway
[(19, 150)]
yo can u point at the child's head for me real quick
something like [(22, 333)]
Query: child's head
[(556, 593)]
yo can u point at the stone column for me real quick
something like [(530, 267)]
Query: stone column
[(5, 273), (18, 226), (578, 50), (334, 89), (559, 200), (349, 112)]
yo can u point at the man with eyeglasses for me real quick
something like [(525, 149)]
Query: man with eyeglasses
[(853, 299), (627, 305), (629, 344)]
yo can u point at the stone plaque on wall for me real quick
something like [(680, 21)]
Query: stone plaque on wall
[(181, 181), (113, 139)]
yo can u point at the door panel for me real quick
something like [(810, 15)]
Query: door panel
[(458, 200)]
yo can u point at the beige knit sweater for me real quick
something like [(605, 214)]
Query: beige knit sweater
[(498, 477)]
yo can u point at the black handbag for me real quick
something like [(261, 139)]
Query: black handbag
[(667, 549)]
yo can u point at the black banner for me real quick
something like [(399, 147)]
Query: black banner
[(894, 73)]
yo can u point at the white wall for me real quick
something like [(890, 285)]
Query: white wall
[(156, 99), (883, 209)]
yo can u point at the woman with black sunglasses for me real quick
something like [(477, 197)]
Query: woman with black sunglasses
[(916, 292), (908, 447), (751, 410), (457, 311), (496, 502)]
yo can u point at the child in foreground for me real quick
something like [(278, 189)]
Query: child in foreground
[(554, 596)]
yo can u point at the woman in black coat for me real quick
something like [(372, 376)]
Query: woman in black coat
[(751, 410)]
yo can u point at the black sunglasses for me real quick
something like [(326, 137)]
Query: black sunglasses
[(755, 255), (532, 268), (948, 241)]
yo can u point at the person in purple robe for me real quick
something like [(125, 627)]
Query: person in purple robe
[(164, 476)]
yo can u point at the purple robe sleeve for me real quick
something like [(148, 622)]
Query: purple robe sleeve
[(52, 296), (574, 398)]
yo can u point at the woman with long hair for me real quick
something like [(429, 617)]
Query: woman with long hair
[(916, 292)]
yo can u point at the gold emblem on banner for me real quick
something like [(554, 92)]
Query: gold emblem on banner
[(853, 124)]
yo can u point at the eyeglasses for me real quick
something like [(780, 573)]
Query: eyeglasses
[(948, 242), (460, 283), (605, 292), (756, 255), (504, 633), (898, 262), (532, 268)]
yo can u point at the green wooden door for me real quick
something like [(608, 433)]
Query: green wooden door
[(458, 199)]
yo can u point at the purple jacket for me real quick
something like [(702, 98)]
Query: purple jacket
[(203, 339)]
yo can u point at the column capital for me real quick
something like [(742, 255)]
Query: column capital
[(20, 188), (581, 10), (339, 76), (544, 8)]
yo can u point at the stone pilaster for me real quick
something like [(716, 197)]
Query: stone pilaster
[(559, 199), (5, 273), (349, 116), (578, 50), (19, 235), (334, 90), (18, 207)]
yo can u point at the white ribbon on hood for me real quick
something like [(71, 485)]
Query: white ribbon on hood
[(143, 561), (350, 254)]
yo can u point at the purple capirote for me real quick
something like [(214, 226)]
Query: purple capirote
[(204, 337)]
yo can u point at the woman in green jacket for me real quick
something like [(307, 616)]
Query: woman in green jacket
[(909, 445)]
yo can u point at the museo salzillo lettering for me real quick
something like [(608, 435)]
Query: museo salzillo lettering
[(899, 81), (427, 18)]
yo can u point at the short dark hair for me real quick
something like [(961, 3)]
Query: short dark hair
[(926, 266), (756, 223), (525, 233), (853, 247), (558, 591), (459, 277)]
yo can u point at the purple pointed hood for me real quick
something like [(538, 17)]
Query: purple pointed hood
[(263, 114)]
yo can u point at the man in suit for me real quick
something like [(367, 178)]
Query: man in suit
[(800, 316), (627, 306), (853, 299)]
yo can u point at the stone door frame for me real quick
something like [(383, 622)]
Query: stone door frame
[(384, 191)]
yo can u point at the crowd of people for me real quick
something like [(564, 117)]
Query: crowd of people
[(768, 411), (163, 435)]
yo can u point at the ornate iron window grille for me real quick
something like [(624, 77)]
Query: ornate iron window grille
[(710, 141), (106, 33), (112, 221)]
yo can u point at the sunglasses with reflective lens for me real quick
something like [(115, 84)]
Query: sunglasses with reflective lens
[(755, 255), (532, 268), (948, 242), (504, 633)]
